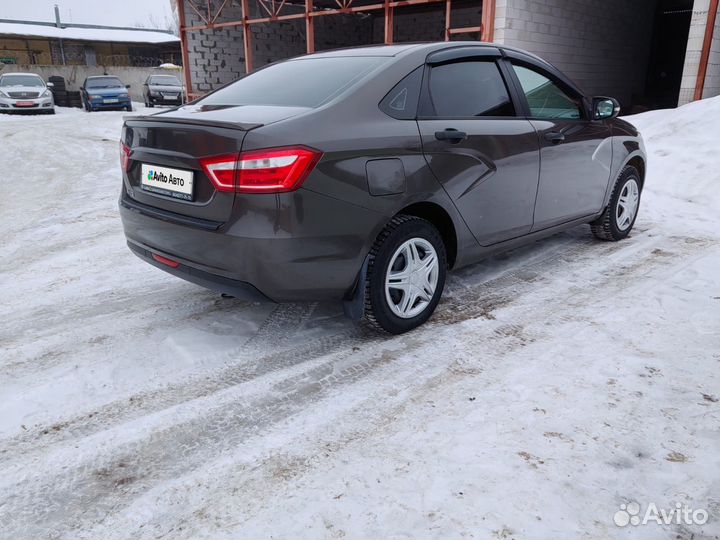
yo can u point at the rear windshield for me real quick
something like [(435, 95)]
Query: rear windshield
[(308, 82), (21, 80), (103, 82), (164, 80)]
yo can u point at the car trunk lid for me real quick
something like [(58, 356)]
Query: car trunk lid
[(175, 142)]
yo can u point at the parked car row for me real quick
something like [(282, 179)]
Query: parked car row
[(28, 92)]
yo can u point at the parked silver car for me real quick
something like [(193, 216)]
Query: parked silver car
[(163, 90), (25, 92)]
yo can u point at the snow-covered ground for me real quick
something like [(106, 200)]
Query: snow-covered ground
[(554, 383)]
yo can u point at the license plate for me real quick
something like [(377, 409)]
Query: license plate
[(24, 104), (166, 181), (170, 97), (110, 100)]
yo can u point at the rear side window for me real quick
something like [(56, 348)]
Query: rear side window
[(308, 82), (401, 102), (466, 89), (545, 98)]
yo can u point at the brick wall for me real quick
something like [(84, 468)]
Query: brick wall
[(692, 55), (427, 23), (217, 56), (603, 46)]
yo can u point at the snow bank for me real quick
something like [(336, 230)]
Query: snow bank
[(683, 146)]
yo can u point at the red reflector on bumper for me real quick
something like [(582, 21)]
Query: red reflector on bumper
[(165, 261)]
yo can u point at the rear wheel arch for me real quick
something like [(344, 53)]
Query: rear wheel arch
[(441, 220)]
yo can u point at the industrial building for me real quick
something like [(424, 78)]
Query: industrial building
[(646, 53)]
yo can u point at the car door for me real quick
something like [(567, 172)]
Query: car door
[(575, 151), (483, 154)]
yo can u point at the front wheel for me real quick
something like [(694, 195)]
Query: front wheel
[(406, 275), (618, 219)]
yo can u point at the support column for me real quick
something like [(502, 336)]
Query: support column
[(309, 27), (183, 49), (388, 23), (707, 45), (448, 8), (247, 37), (488, 20)]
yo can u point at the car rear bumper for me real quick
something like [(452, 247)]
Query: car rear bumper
[(313, 252), (238, 289)]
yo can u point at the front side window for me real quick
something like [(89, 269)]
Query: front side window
[(467, 89), (545, 98), (305, 82)]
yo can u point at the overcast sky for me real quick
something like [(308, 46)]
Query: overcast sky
[(146, 13)]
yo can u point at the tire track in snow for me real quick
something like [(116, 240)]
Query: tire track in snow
[(250, 359), (94, 482)]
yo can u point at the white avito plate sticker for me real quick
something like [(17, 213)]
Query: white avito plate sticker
[(111, 100), (166, 181)]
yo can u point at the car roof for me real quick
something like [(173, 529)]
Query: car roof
[(400, 50), (102, 77)]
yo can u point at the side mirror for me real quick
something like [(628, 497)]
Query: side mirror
[(605, 107), (50, 85), (127, 86)]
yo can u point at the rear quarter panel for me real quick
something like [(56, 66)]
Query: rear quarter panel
[(350, 133)]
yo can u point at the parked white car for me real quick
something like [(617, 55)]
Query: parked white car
[(25, 92)]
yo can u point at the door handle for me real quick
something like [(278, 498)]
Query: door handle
[(555, 137), (450, 134)]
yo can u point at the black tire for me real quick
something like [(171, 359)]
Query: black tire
[(57, 80), (129, 108), (606, 227), (378, 313)]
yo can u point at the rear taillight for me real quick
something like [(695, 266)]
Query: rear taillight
[(222, 171), (124, 156), (273, 170)]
